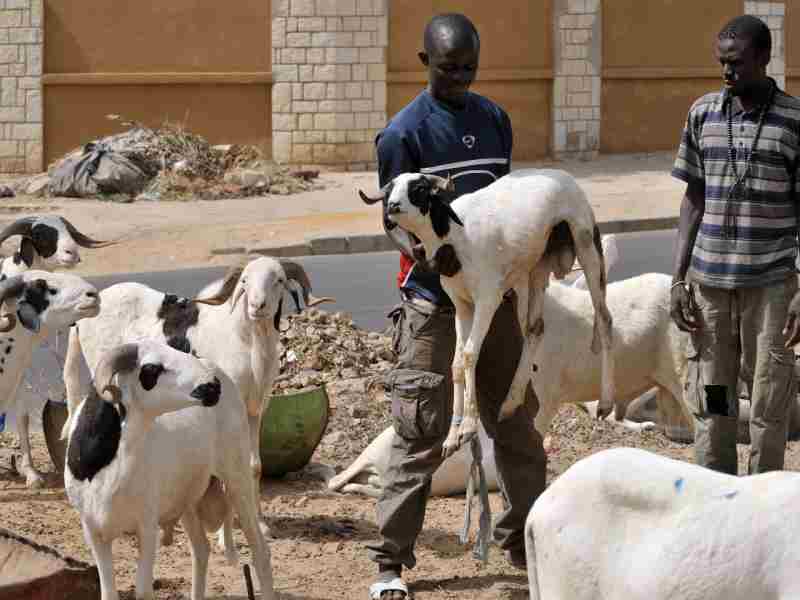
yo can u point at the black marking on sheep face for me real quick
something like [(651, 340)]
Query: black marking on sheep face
[(25, 254), (94, 442), (45, 239), (179, 314), (423, 194), (148, 375), (33, 303)]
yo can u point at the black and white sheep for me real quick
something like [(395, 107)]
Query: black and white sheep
[(233, 323), (46, 242), (152, 449), (511, 234)]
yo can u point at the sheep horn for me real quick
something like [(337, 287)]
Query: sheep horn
[(226, 288), (296, 272), (367, 200), (19, 227), (13, 286), (84, 240), (121, 359), (442, 183)]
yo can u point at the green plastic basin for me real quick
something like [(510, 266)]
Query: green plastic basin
[(291, 429)]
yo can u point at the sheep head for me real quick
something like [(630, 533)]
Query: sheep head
[(50, 237), (162, 378), (54, 300), (412, 199), (261, 283)]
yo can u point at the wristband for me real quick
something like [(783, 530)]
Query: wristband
[(676, 284)]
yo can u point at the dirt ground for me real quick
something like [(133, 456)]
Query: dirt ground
[(318, 551)]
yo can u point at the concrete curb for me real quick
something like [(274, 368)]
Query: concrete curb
[(362, 244)]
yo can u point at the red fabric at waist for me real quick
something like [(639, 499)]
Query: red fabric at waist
[(405, 266)]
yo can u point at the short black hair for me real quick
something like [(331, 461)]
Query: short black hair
[(458, 23), (750, 28)]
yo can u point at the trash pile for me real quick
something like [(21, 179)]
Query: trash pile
[(320, 347), (168, 163)]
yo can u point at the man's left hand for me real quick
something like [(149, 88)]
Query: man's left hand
[(792, 327)]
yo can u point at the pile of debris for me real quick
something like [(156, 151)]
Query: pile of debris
[(320, 347), (168, 163)]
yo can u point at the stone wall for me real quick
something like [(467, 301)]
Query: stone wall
[(21, 39), (576, 78), (329, 73), (772, 13)]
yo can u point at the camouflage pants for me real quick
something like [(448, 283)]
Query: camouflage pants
[(740, 330), (422, 394)]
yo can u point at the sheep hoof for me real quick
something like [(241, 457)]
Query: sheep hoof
[(265, 530), (605, 411), (33, 480)]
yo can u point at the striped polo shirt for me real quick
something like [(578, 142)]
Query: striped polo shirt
[(749, 239)]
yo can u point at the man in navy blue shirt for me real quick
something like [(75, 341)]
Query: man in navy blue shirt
[(447, 130)]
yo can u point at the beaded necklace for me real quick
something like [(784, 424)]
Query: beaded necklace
[(739, 189)]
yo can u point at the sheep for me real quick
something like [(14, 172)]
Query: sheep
[(155, 448), (512, 234), (236, 327), (629, 524), (45, 241), (45, 302)]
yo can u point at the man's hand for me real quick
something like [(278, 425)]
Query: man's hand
[(683, 309), (792, 327), (444, 262)]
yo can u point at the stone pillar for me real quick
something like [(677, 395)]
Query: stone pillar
[(21, 45), (576, 84), (772, 13), (329, 73)]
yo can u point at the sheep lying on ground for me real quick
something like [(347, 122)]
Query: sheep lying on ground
[(38, 303), (511, 234), (153, 449), (234, 324), (625, 524), (46, 241)]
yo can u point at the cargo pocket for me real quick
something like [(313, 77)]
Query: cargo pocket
[(396, 315), (693, 388), (780, 386), (417, 403)]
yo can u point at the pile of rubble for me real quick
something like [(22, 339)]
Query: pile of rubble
[(168, 163), (318, 347)]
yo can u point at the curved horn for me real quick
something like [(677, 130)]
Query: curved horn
[(19, 227), (226, 289), (443, 183), (296, 272), (368, 200), (14, 286), (121, 359), (84, 240)]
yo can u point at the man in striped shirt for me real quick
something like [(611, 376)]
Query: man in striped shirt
[(447, 130), (734, 274)]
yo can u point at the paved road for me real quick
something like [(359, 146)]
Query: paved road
[(363, 285)]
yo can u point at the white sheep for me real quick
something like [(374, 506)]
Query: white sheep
[(649, 351), (511, 234), (46, 241), (625, 524), (40, 303), (233, 323), (152, 449)]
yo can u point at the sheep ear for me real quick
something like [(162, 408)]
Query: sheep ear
[(29, 317), (148, 375), (25, 253), (236, 295), (452, 214), (276, 320)]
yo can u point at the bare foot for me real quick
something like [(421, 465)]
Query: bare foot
[(389, 574)]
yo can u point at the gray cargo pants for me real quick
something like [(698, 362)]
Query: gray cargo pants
[(421, 390), (740, 329)]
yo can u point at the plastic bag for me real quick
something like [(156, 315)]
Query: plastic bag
[(97, 171)]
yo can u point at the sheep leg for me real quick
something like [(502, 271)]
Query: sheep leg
[(33, 478), (104, 559), (254, 422), (240, 493), (200, 552), (482, 321), (148, 543), (590, 257), (71, 375), (463, 326), (533, 334)]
